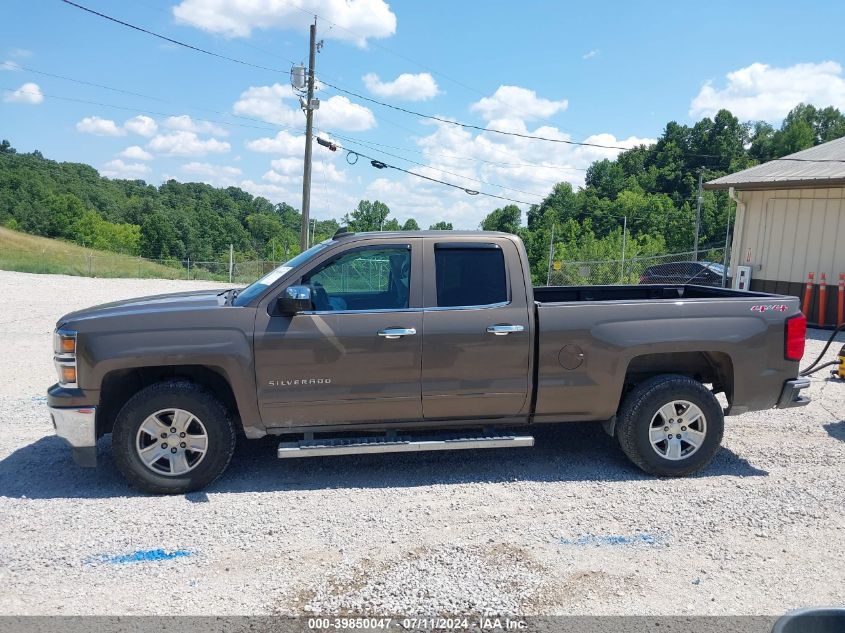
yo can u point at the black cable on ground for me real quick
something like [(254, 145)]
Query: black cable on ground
[(812, 368), (819, 368)]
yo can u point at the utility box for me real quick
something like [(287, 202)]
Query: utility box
[(742, 279)]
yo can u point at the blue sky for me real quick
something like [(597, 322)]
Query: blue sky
[(609, 72)]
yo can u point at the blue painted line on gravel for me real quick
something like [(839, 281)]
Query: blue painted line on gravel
[(614, 540), (140, 556)]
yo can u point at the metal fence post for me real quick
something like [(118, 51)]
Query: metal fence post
[(624, 232), (231, 261)]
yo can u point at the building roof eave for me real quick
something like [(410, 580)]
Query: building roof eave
[(806, 183)]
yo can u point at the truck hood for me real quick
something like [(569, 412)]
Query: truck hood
[(197, 299)]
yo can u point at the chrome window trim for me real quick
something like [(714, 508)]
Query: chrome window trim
[(375, 311), (484, 306)]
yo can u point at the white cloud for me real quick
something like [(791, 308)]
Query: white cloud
[(591, 54), (524, 166), (186, 144), (355, 20), (136, 152), (99, 127), (10, 65), (20, 52), (186, 123), (514, 101), (28, 93), (142, 125), (217, 175), (406, 86), (118, 169), (289, 171), (339, 112), (268, 103), (760, 91), (283, 143)]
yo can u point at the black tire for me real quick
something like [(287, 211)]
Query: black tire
[(640, 407), (179, 394)]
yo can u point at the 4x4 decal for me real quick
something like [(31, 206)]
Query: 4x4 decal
[(771, 307)]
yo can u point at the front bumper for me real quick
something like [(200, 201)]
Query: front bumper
[(77, 426), (791, 396)]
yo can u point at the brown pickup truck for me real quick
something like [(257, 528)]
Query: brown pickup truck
[(409, 341)]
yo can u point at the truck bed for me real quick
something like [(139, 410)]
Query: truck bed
[(560, 294), (589, 338)]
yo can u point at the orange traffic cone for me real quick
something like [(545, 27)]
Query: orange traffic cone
[(808, 295), (822, 299)]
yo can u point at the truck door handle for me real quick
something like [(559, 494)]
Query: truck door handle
[(393, 333), (504, 329)]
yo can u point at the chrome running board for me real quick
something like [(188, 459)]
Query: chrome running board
[(388, 444)]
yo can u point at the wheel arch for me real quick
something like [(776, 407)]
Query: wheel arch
[(706, 367), (119, 385)]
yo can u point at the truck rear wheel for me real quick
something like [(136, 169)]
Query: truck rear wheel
[(670, 426), (173, 437)]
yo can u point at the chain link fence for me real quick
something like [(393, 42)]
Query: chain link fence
[(146, 268), (675, 268)]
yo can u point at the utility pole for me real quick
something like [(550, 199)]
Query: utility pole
[(551, 255), (698, 212), (309, 125)]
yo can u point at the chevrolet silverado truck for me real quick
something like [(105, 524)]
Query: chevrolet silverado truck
[(408, 341)]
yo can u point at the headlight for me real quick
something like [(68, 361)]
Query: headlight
[(64, 357), (64, 343)]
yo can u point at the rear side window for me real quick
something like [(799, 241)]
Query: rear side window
[(470, 276)]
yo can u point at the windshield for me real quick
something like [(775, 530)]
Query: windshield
[(256, 288), (716, 268)]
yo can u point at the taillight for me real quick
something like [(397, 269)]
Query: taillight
[(796, 334)]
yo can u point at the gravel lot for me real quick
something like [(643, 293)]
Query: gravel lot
[(566, 527)]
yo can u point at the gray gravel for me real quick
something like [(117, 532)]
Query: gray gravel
[(566, 527)]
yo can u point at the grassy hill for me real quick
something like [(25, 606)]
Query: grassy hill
[(32, 254)]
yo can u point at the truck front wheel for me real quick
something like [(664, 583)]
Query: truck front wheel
[(670, 426), (173, 437)]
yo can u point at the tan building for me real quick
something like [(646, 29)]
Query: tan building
[(790, 221)]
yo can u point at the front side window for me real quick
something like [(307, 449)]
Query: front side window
[(363, 279), (470, 276)]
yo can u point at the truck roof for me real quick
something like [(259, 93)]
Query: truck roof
[(341, 235)]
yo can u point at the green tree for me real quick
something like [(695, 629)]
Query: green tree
[(441, 226), (410, 225), (367, 216), (506, 219), (159, 238)]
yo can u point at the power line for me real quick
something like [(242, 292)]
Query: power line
[(140, 110), (458, 156), (385, 48), (334, 134), (170, 39), (350, 92), (481, 128), (451, 173), (378, 164)]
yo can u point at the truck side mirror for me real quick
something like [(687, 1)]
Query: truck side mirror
[(293, 300)]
